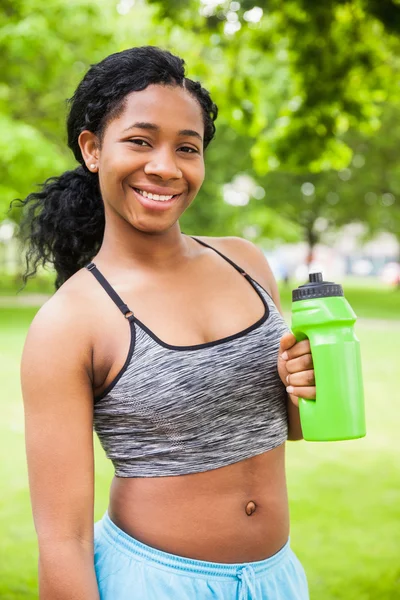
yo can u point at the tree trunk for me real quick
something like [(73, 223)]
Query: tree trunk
[(312, 240)]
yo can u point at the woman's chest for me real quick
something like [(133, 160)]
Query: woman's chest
[(177, 313), (174, 391)]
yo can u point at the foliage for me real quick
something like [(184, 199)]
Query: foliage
[(373, 189), (366, 191), (300, 87), (44, 49), (304, 72)]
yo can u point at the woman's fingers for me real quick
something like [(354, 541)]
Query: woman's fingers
[(302, 384), (309, 393), (303, 363), (287, 341), (296, 350), (302, 379)]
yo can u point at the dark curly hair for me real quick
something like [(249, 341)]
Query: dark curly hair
[(63, 223)]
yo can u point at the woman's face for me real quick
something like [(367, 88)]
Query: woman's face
[(154, 147)]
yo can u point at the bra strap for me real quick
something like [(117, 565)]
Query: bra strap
[(242, 271), (110, 290)]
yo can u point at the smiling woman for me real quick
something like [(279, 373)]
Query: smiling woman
[(162, 165), (186, 393)]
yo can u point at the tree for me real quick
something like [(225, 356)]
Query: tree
[(301, 73), (296, 83), (43, 51), (366, 191)]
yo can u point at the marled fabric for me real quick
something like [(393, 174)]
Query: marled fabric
[(175, 410)]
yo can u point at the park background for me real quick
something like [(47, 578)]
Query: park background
[(304, 164)]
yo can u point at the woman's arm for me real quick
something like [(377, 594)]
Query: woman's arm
[(58, 403)]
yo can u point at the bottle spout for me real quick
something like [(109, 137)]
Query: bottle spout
[(315, 277), (316, 287)]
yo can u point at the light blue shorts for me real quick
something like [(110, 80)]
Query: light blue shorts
[(127, 569)]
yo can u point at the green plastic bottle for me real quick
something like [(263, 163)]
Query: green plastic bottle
[(322, 314)]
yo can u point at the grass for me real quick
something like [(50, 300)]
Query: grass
[(344, 496), (11, 284)]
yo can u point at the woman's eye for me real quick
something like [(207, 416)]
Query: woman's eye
[(192, 150), (143, 143), (138, 142)]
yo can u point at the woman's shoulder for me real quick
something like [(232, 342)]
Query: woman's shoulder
[(70, 298), (65, 317), (248, 256)]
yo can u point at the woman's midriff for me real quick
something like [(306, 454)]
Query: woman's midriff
[(237, 513)]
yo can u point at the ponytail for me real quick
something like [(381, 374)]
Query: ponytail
[(63, 223)]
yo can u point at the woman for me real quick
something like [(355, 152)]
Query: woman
[(186, 393)]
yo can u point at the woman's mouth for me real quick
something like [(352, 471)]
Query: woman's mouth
[(154, 201)]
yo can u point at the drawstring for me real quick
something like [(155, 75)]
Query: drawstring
[(247, 583)]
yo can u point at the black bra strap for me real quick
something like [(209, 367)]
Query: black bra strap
[(110, 291), (121, 304), (242, 271)]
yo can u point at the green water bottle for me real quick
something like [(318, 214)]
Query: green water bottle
[(322, 314)]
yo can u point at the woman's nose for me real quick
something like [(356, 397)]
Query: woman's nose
[(163, 164)]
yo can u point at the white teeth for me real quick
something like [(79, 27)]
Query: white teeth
[(154, 196)]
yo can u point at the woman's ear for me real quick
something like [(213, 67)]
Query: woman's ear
[(89, 145)]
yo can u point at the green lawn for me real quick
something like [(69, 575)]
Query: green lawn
[(344, 496)]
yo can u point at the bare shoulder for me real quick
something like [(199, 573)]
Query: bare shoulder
[(248, 256), (62, 324)]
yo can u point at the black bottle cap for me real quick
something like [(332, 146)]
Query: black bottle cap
[(317, 288)]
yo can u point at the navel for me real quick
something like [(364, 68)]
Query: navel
[(250, 508)]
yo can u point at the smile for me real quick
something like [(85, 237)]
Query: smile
[(156, 197), (155, 202)]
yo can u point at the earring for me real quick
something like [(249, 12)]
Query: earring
[(93, 166)]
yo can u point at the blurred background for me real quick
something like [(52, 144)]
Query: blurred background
[(305, 164)]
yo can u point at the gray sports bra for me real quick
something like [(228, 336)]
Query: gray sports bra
[(173, 410)]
